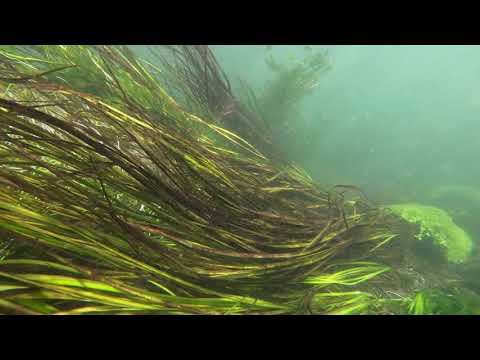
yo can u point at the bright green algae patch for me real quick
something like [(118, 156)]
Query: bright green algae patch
[(439, 226)]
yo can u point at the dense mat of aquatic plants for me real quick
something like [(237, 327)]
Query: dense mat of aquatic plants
[(436, 225), (119, 195)]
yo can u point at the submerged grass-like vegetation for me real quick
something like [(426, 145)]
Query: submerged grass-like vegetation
[(123, 191)]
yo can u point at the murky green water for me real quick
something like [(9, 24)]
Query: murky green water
[(399, 121)]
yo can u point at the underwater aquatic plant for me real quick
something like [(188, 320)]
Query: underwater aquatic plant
[(436, 301), (200, 85), (437, 225), (119, 199), (293, 81), (277, 103)]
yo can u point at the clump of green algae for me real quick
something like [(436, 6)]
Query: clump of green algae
[(437, 225)]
